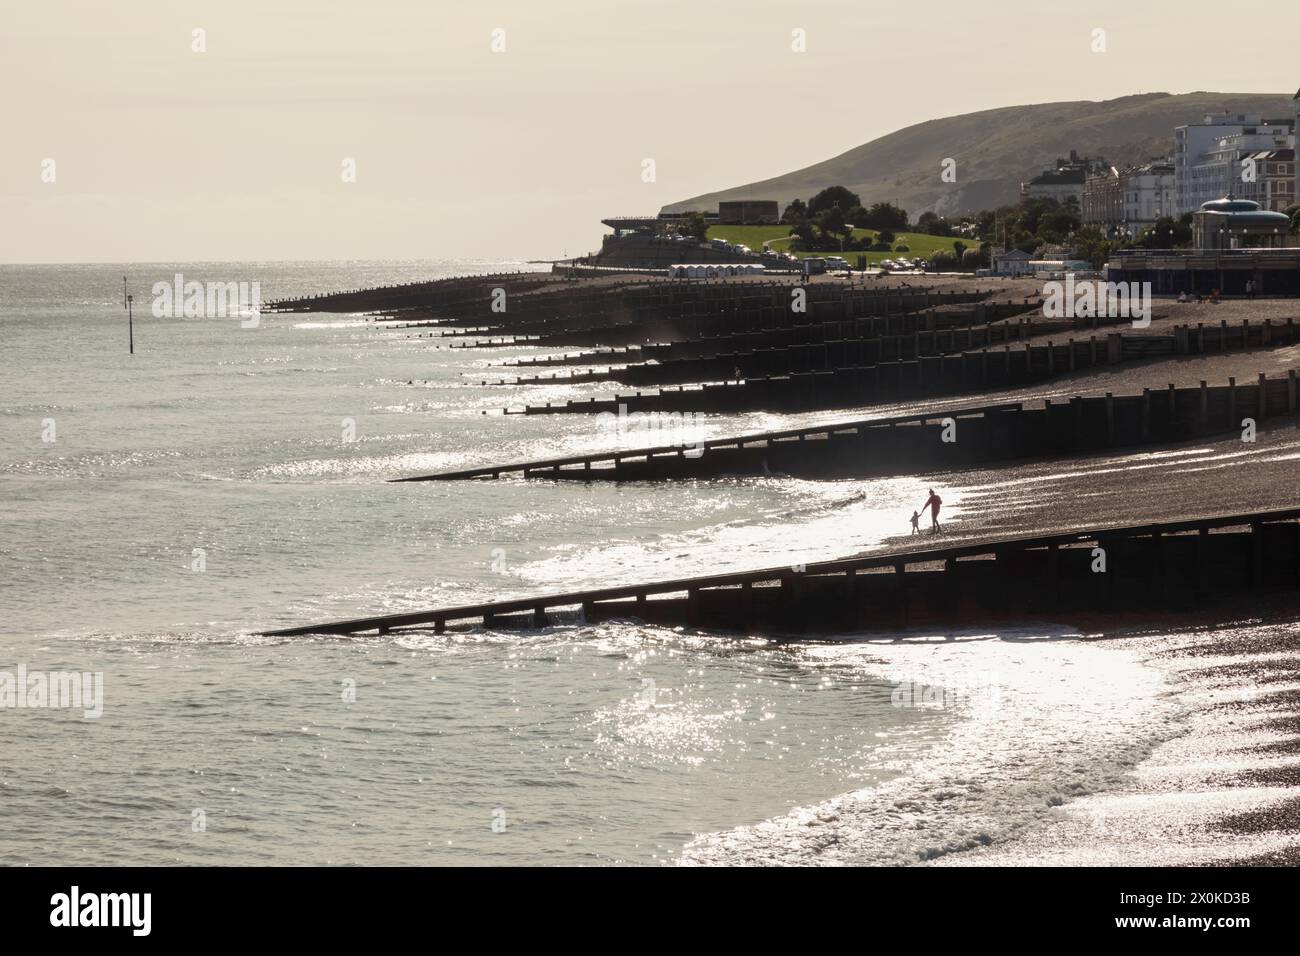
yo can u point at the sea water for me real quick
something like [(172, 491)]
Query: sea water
[(157, 509)]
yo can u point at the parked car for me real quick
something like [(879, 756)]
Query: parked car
[(837, 264)]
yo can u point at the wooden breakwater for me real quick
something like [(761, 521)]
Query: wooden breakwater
[(939, 439), (421, 297), (1116, 572), (592, 302), (595, 302), (621, 310), (720, 332), (823, 355), (674, 321), (933, 376), (925, 328)]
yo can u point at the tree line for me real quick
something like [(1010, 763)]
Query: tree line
[(826, 223)]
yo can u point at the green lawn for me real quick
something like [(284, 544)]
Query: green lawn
[(921, 245)]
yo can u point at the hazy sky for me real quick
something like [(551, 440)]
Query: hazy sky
[(162, 153)]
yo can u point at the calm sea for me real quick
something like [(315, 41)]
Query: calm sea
[(158, 508)]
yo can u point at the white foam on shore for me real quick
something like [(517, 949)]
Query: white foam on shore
[(1170, 811), (336, 324), (1047, 718)]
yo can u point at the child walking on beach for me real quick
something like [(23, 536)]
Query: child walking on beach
[(916, 522)]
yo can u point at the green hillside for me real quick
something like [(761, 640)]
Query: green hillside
[(996, 150)]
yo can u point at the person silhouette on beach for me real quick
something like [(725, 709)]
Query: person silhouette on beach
[(916, 522), (934, 502)]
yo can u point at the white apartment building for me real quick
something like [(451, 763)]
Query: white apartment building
[(1148, 194), (1208, 155), (1123, 203)]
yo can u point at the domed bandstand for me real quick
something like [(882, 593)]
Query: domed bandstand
[(1235, 241)]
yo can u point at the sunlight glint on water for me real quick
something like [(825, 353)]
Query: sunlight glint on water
[(592, 744)]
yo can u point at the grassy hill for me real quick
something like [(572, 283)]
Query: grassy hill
[(997, 149), (919, 244)]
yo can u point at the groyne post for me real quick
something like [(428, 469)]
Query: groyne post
[(1114, 347), (1256, 555), (1202, 562)]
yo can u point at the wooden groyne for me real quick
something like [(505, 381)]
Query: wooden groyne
[(939, 439), (932, 376), (821, 355), (1172, 566), (587, 303), (670, 321), (902, 336), (686, 337), (424, 296), (712, 458)]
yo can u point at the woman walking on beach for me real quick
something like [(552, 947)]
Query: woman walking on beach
[(934, 502)]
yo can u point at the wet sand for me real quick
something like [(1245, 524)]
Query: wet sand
[(1269, 663), (1219, 788)]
